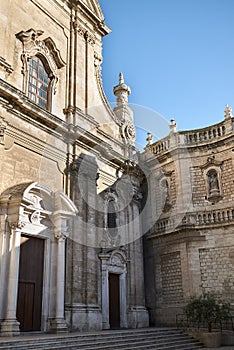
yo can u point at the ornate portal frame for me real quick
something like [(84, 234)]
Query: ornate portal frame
[(34, 210), (114, 262)]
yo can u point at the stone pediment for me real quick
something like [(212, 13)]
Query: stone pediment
[(94, 6), (211, 161)]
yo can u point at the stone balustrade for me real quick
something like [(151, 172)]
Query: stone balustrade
[(215, 217), (192, 137), (196, 219), (161, 146), (204, 134)]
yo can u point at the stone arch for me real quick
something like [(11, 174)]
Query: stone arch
[(34, 211)]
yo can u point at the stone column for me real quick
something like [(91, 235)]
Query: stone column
[(58, 325), (105, 290), (123, 303), (4, 248), (10, 326)]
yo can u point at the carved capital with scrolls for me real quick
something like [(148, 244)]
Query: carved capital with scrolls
[(17, 225), (89, 38), (61, 235)]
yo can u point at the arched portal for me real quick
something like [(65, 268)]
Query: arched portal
[(32, 240), (114, 270)]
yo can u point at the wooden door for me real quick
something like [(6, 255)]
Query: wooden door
[(114, 301), (30, 285)]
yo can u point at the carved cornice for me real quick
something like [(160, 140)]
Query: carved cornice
[(94, 15), (5, 65), (54, 52)]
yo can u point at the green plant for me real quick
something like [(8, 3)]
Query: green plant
[(207, 309)]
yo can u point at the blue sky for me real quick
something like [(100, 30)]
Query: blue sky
[(176, 55)]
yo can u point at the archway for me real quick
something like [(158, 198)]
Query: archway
[(37, 222)]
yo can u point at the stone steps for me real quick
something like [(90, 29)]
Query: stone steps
[(149, 338)]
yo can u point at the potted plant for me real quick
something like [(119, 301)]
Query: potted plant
[(207, 310)]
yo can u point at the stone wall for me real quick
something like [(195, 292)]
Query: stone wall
[(227, 180), (217, 270), (198, 186), (191, 243), (171, 274)]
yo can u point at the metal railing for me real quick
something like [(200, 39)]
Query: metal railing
[(182, 321)]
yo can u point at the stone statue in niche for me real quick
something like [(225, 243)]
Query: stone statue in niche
[(213, 183), (166, 197)]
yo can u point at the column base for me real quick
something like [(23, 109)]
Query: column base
[(138, 317), (58, 325), (105, 325), (10, 328), (83, 317)]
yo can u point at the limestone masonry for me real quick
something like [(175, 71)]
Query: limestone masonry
[(93, 233)]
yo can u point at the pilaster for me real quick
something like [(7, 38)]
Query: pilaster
[(10, 325), (58, 324)]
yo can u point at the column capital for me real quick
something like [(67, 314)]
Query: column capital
[(16, 226), (61, 235)]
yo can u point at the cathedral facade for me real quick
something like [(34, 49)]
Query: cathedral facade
[(69, 258), (94, 234)]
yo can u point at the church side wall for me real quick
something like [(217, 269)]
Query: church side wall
[(191, 251)]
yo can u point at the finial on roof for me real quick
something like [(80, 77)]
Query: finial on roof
[(149, 138), (121, 78), (173, 125), (122, 91), (228, 112)]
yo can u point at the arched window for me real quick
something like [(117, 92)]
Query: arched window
[(41, 60), (38, 82), (111, 215)]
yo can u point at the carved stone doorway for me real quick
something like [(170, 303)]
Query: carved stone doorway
[(30, 284), (114, 289), (114, 301)]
